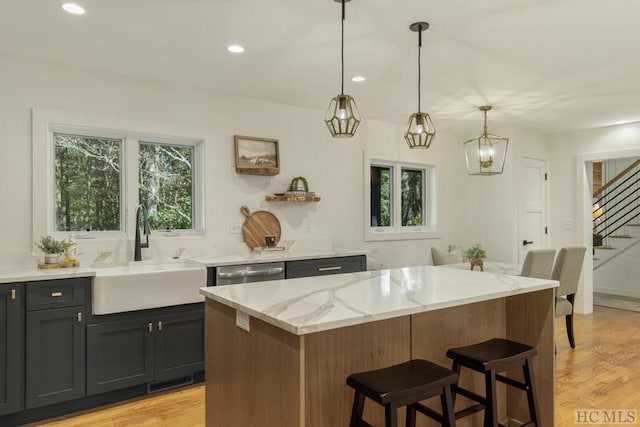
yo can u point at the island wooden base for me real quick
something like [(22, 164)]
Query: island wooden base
[(271, 378)]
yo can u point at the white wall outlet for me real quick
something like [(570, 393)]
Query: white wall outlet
[(307, 226), (235, 227), (242, 320)]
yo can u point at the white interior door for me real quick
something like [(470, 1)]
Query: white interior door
[(533, 207)]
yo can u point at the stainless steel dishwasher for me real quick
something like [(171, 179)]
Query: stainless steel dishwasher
[(247, 273)]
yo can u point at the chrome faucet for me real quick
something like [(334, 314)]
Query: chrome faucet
[(137, 255)]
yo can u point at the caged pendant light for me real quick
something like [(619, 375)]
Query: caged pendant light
[(420, 131), (486, 154), (342, 117)]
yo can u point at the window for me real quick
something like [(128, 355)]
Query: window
[(166, 185), (89, 177), (400, 202), (88, 182), (91, 172)]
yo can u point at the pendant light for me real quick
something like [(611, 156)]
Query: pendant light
[(420, 131), (342, 117), (486, 154)]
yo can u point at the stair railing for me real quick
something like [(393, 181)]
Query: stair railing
[(618, 204)]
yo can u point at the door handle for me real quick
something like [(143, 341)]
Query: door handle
[(526, 242)]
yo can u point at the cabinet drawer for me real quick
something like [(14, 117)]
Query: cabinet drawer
[(55, 294), (324, 266)]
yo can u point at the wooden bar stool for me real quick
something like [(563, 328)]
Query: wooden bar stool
[(490, 358), (404, 384)]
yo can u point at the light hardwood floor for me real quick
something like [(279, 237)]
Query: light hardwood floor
[(603, 372)]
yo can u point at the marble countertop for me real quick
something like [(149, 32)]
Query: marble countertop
[(489, 267), (30, 274), (313, 304), (254, 258)]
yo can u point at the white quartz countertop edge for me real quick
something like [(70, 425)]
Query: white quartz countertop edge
[(511, 285), (30, 274), (221, 261)]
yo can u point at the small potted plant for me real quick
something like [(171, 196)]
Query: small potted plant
[(52, 249), (475, 255)]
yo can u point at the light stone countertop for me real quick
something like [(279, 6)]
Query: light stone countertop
[(30, 274), (253, 258), (489, 267), (313, 304)]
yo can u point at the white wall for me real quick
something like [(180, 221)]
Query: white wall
[(333, 167), (570, 189)]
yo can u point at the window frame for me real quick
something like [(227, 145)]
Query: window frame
[(47, 122), (428, 230)]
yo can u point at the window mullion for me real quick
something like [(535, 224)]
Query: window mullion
[(397, 197), (131, 178)]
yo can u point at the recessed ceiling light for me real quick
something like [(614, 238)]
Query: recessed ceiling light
[(76, 9), (358, 79), (235, 48)]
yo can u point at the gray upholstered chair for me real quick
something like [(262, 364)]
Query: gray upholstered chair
[(567, 270), (538, 263)]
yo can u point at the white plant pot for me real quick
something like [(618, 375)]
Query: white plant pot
[(51, 258)]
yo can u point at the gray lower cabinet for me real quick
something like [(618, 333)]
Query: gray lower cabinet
[(325, 266), (145, 349), (11, 348), (179, 345), (55, 355)]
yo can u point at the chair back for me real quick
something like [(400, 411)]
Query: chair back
[(538, 263), (567, 269)]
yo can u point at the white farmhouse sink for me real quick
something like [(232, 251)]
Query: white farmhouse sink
[(141, 285)]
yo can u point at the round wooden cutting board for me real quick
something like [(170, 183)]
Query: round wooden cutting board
[(257, 226)]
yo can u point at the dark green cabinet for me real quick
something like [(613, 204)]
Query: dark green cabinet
[(325, 266), (148, 348), (55, 341), (179, 345), (11, 348), (119, 354)]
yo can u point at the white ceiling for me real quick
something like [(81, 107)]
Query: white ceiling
[(550, 65)]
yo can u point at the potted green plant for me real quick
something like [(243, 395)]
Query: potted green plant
[(475, 255), (52, 248)]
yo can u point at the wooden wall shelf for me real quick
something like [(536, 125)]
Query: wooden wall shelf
[(291, 198)]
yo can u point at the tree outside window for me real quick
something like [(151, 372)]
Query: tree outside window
[(166, 185), (397, 191), (87, 174), (89, 181)]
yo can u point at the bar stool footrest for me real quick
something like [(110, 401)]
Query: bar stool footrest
[(425, 410), (469, 394), (511, 382), (470, 410)]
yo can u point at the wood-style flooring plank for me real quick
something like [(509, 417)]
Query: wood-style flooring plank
[(603, 372)]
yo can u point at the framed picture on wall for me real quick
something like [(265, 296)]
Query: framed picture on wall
[(256, 156)]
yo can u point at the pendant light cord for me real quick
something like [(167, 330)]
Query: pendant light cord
[(419, 68), (342, 50)]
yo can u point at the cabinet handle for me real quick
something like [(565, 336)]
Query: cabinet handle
[(13, 294), (150, 327), (337, 267), (160, 325), (56, 294), (79, 316)]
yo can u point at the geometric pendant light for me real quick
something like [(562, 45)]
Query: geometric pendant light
[(486, 154), (342, 117), (420, 131)]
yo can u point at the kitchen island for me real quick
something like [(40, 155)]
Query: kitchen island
[(278, 353)]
